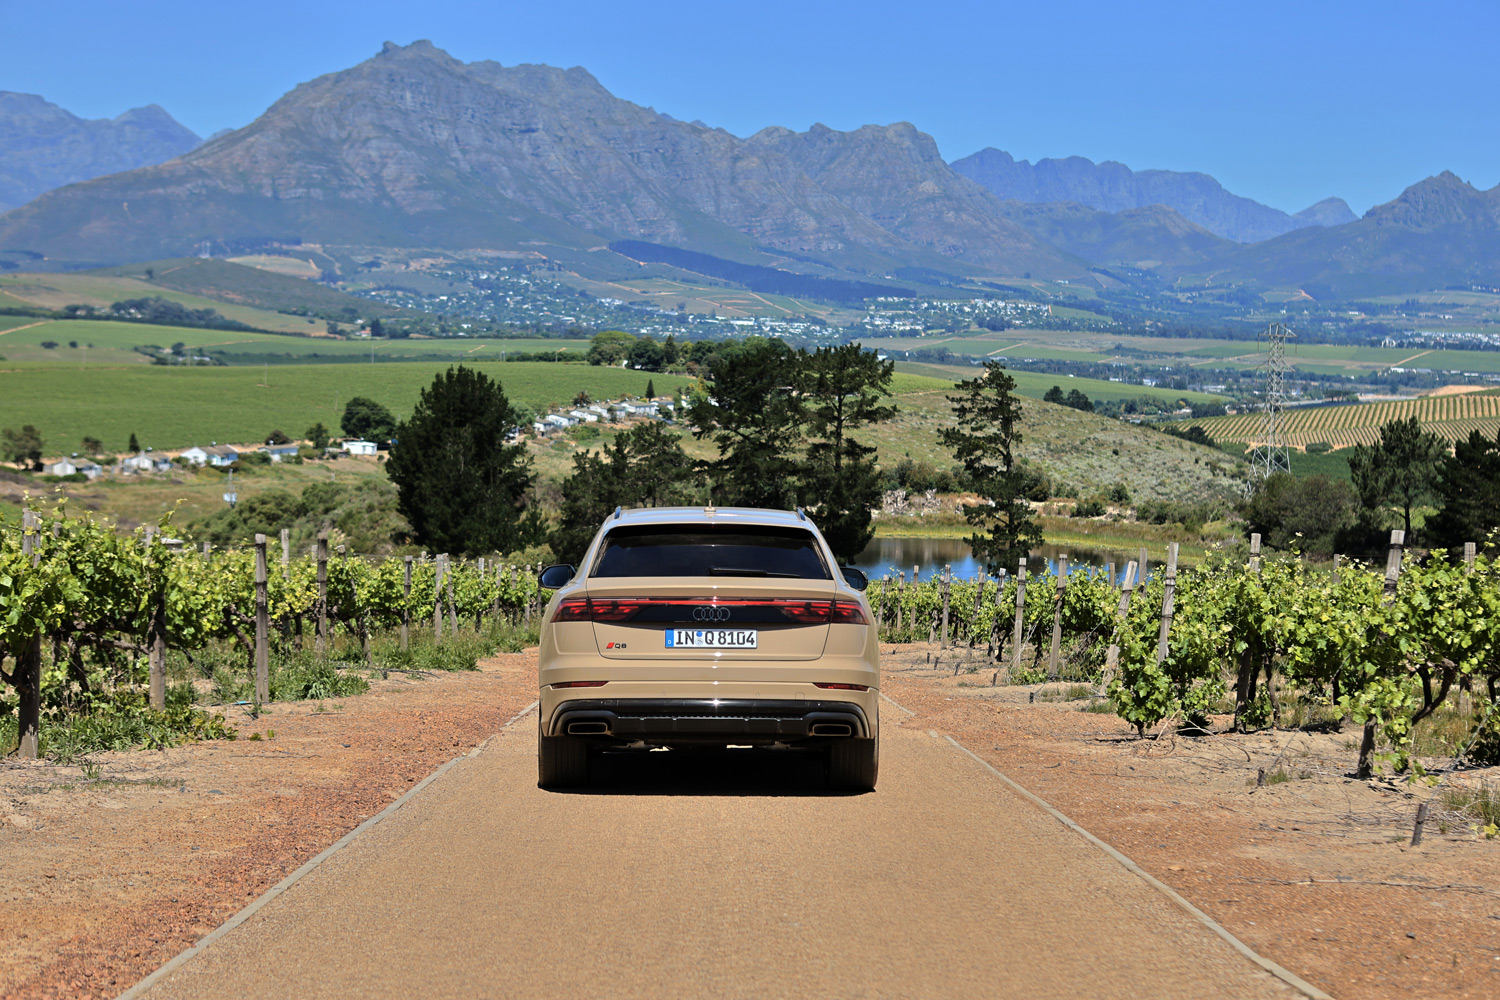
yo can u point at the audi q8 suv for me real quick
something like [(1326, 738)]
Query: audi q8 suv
[(694, 627)]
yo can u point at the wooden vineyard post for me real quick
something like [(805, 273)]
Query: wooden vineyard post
[(440, 563), (1140, 568), (947, 580), (1112, 655), (406, 604), (479, 608), (28, 668), (322, 557), (1055, 655), (499, 577), (207, 548), (1255, 552), (1166, 604), (1337, 559), (452, 604), (1109, 572), (156, 644), (880, 605), (978, 600), (262, 626), (526, 610), (1470, 550), (900, 596), (999, 600), (1018, 636), (286, 553), (1392, 578)]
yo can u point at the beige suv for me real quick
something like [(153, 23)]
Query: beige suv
[(691, 627)]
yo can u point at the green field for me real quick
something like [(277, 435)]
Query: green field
[(172, 407), (54, 291), (1036, 384), (1449, 417), (113, 344)]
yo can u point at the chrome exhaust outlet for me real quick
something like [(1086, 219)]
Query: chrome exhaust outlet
[(831, 729), (587, 729)]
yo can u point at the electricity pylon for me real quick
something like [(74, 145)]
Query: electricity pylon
[(1272, 454)]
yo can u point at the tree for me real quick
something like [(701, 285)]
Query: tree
[(582, 399), (646, 355), (459, 485), (669, 349), (92, 446), (646, 465), (843, 388), (1311, 513), (318, 435), (135, 446), (609, 347), (1054, 395), (1399, 469), (753, 412), (277, 437), (377, 329), (650, 389), (1078, 401), (984, 442), (1467, 490), (23, 447), (367, 420)]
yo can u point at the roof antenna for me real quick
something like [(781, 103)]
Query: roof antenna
[(801, 516), (617, 513)]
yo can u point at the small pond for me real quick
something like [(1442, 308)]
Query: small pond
[(930, 555)]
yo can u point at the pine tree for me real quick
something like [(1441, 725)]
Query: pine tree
[(458, 484), (984, 442)]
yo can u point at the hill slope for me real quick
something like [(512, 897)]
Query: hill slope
[(1114, 187)]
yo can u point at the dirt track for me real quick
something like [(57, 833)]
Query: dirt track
[(721, 875)]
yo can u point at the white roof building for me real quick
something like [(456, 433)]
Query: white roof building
[(364, 448)]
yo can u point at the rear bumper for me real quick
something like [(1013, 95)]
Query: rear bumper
[(709, 720)]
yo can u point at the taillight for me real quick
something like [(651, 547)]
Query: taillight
[(581, 684), (575, 609), (842, 687), (804, 612), (849, 613)]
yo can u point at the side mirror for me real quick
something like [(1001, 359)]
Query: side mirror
[(854, 577), (555, 576)]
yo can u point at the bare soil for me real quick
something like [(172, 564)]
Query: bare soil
[(113, 869)]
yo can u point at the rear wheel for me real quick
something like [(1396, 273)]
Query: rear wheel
[(562, 762), (854, 764)]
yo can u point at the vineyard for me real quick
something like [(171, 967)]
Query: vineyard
[(1451, 418), (1274, 643), (95, 623)]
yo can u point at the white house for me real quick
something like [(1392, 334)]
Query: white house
[(559, 420), (137, 463), (195, 455), (217, 455), (540, 427), (63, 468), (365, 448), (278, 452), (583, 415), (91, 469)]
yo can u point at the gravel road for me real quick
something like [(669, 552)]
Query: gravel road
[(720, 875)]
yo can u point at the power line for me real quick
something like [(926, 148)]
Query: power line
[(1272, 454)]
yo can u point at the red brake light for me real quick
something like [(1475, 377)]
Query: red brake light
[(575, 609), (849, 613), (804, 612), (842, 687)]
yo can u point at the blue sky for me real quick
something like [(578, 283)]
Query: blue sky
[(1283, 102)]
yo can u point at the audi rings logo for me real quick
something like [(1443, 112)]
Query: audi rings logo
[(710, 613)]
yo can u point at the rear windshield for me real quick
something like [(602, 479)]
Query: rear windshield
[(698, 550)]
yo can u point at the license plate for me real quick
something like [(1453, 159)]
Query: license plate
[(711, 638)]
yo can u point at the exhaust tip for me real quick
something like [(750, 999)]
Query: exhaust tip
[(587, 729), (832, 729)]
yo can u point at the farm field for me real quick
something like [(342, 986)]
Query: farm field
[(1450, 417), (731, 303), (170, 407), (1036, 384), (54, 291), (114, 343)]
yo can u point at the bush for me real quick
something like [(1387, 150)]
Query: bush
[(122, 722), (1088, 508), (1319, 448)]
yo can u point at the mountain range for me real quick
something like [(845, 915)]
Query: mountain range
[(46, 147), (1114, 187), (415, 149)]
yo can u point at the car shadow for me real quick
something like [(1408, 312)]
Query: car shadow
[(733, 772)]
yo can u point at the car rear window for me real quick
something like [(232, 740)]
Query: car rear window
[(700, 550)]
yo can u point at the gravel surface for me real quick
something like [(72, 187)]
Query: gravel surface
[(722, 875)]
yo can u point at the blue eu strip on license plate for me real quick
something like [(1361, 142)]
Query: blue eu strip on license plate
[(711, 638)]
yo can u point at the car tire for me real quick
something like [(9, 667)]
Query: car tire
[(854, 764), (562, 762)]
